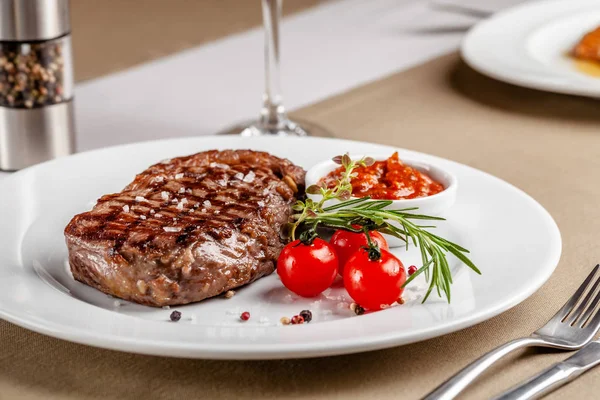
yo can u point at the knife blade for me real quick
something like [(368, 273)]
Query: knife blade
[(556, 376)]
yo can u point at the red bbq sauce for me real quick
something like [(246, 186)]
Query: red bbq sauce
[(390, 179)]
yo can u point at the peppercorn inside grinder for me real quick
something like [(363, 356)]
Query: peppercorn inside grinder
[(36, 82)]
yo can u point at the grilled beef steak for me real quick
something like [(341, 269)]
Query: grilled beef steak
[(187, 229)]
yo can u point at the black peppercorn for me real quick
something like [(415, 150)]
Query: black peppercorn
[(175, 316), (359, 310), (307, 315)]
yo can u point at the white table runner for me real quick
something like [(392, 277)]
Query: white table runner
[(325, 50)]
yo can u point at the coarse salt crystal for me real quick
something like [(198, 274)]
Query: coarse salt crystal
[(181, 204), (152, 211), (140, 199), (222, 182), (261, 203), (166, 161), (126, 208), (217, 212), (181, 190), (239, 176), (174, 201), (249, 177), (263, 320), (164, 195), (196, 205), (342, 305), (171, 229), (142, 217), (188, 191), (218, 165), (166, 308), (179, 176), (159, 178), (206, 203), (158, 215), (327, 291), (117, 303)]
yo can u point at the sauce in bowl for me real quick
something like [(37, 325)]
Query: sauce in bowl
[(389, 179)]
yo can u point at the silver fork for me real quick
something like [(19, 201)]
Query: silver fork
[(573, 326)]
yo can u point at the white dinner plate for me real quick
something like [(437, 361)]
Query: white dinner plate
[(512, 239), (530, 45)]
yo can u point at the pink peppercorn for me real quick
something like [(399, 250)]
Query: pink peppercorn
[(245, 316), (412, 269)]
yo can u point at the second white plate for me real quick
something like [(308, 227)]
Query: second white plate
[(513, 240), (529, 45)]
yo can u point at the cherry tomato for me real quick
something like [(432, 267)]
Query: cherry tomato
[(374, 284), (307, 270), (346, 243)]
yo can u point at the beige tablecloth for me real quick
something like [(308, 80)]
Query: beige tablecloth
[(546, 144)]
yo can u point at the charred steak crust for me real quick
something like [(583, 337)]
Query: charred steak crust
[(187, 229)]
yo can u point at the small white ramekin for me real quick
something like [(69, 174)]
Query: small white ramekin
[(434, 205)]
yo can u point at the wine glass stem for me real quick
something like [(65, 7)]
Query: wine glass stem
[(273, 112)]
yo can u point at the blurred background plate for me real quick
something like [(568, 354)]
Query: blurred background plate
[(530, 46)]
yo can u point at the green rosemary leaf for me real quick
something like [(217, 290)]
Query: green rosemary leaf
[(415, 216), (376, 205), (447, 243), (412, 234), (346, 204), (404, 210), (432, 284), (392, 230), (418, 272), (464, 259), (423, 252)]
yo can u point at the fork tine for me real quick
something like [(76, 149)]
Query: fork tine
[(585, 305), (564, 311), (594, 323), (589, 312)]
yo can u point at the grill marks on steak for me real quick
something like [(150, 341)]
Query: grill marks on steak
[(186, 229)]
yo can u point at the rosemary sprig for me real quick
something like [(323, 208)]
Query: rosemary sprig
[(374, 215)]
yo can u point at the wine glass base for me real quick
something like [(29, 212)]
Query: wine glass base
[(289, 128)]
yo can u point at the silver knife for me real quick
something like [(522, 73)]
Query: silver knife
[(556, 376)]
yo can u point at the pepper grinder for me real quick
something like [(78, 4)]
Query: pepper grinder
[(36, 82)]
